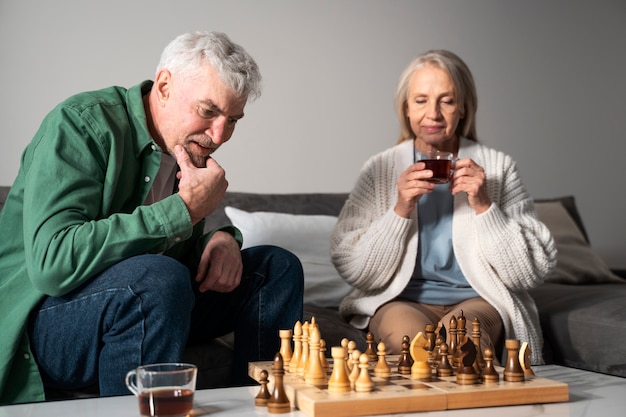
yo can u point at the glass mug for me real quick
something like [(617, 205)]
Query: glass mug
[(163, 389), (440, 163)]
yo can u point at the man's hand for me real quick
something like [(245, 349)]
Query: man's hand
[(220, 266), (200, 188)]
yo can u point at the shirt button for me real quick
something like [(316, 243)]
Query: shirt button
[(146, 178), (26, 356), (153, 146), (177, 239)]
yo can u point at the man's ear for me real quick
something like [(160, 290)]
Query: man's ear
[(162, 85)]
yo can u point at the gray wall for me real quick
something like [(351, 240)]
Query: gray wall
[(550, 78)]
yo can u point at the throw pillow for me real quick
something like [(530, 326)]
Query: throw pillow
[(577, 262), (307, 237)]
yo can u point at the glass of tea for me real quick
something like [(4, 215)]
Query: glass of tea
[(163, 389), (440, 163)]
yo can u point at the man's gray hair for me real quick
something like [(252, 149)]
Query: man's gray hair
[(236, 68)]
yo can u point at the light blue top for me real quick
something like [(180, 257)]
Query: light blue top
[(437, 278)]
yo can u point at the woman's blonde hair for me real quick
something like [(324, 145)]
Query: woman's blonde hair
[(464, 88)]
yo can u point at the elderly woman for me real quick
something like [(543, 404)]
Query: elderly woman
[(417, 252)]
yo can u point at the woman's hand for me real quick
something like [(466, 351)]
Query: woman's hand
[(469, 177), (412, 185)]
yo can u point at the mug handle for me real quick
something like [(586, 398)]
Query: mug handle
[(131, 382)]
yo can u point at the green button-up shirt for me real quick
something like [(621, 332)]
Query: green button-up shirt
[(76, 209)]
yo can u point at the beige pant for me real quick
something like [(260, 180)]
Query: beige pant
[(402, 317)]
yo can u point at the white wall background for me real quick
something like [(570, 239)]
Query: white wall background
[(550, 77)]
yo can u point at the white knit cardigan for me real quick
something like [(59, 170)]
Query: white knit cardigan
[(501, 252)]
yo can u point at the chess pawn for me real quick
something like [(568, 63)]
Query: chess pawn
[(285, 345), (513, 371), (490, 375), (429, 332), (405, 362), (323, 359), (264, 394), (382, 367), (354, 360), (364, 382), (278, 402), (370, 351), (443, 367), (338, 381), (351, 348), (436, 353), (315, 373), (344, 344), (297, 348)]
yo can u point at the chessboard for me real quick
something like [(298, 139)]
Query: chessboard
[(400, 393), (435, 371)]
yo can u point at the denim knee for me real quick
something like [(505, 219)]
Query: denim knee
[(163, 278)]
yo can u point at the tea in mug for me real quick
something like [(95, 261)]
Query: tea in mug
[(162, 402), (440, 169)]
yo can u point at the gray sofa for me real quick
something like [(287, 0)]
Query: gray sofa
[(581, 306)]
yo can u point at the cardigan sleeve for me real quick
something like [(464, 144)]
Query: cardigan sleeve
[(368, 243)]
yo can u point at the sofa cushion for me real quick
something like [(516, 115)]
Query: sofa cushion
[(307, 237), (303, 203), (584, 326), (577, 261)]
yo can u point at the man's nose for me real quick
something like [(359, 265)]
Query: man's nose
[(216, 130)]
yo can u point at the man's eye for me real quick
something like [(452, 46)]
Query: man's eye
[(206, 113), (233, 121)]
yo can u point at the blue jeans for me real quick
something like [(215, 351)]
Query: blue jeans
[(145, 309)]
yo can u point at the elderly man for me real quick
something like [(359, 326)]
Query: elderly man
[(105, 265)]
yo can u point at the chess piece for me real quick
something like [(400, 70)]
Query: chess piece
[(465, 373), (513, 371), (420, 369), (489, 375), (453, 342), (461, 335), (364, 382), (405, 362), (370, 351), (440, 337), (351, 348), (323, 359), (338, 381), (264, 394), (382, 367), (297, 348), (278, 402), (354, 373), (285, 345), (315, 373), (443, 366), (304, 355), (524, 358), (479, 363), (344, 344), (429, 333)]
